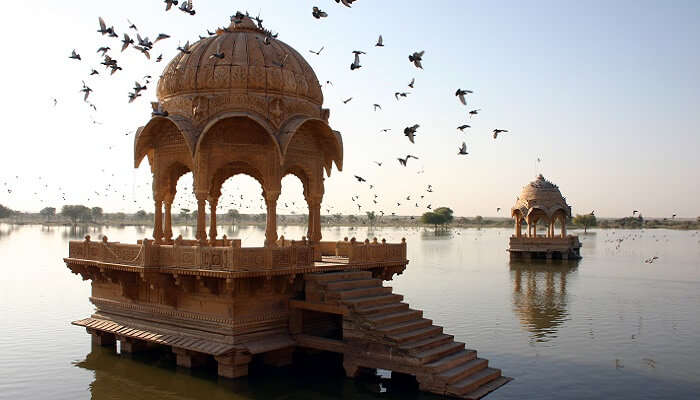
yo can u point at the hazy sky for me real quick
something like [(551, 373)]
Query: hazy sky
[(607, 94)]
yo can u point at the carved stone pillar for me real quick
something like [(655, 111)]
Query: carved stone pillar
[(168, 229), (563, 227), (314, 233), (213, 201), (518, 226), (271, 226), (201, 233), (158, 221)]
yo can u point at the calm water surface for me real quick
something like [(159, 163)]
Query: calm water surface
[(608, 326)]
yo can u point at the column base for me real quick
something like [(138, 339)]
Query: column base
[(233, 365), (102, 338), (188, 359), (131, 346)]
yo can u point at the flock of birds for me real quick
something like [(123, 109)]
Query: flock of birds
[(132, 39)]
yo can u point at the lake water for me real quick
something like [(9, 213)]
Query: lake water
[(608, 326)]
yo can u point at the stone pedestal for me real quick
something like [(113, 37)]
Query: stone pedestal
[(233, 365), (188, 359), (102, 338), (131, 346)]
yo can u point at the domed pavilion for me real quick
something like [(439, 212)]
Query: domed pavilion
[(257, 111), (242, 102), (541, 201)]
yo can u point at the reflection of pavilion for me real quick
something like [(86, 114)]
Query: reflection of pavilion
[(541, 201), (540, 298)]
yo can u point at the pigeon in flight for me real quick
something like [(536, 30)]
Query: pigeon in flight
[(401, 94), (410, 132), (413, 81), (403, 161), (461, 93), (377, 106), (416, 58), (385, 130), (473, 112), (346, 101), (318, 13), (497, 131), (318, 53), (463, 150), (463, 127), (126, 42), (360, 179), (380, 42), (356, 63), (74, 55)]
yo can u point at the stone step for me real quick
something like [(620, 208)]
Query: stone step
[(405, 326), (384, 319), (352, 284), (383, 308), (417, 334), (370, 301), (359, 292), (462, 371), (472, 382), (451, 361), (439, 352), (487, 388), (338, 276), (426, 343)]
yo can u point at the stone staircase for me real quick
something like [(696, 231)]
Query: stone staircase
[(381, 331)]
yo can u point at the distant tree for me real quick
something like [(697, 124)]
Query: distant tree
[(48, 212), (262, 217), (76, 212), (233, 215), (141, 214), (184, 214), (352, 219), (446, 212), (479, 220), (96, 213), (5, 212), (434, 218), (120, 216), (337, 218), (585, 221), (371, 218)]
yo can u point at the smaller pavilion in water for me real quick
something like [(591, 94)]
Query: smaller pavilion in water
[(541, 201)]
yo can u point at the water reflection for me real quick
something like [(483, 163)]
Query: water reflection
[(153, 375), (539, 296)]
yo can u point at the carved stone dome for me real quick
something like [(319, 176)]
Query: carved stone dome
[(541, 194), (268, 79)]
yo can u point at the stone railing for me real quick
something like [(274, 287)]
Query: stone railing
[(230, 258), (544, 241)]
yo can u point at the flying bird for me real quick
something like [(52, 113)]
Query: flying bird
[(463, 150), (169, 3), (378, 163), (463, 127), (360, 179), (401, 94), (473, 112), (318, 13), (416, 58), (377, 106), (74, 55), (403, 161), (103, 50), (161, 36), (461, 93), (346, 101), (186, 7), (346, 3), (318, 53), (380, 42), (132, 25), (385, 130), (126, 42), (410, 132), (356, 63), (218, 53), (497, 131), (413, 81), (86, 90)]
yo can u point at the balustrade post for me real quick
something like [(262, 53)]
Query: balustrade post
[(271, 222)]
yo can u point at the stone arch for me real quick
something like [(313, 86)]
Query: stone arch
[(560, 215), (329, 143), (242, 115), (534, 215), (172, 129)]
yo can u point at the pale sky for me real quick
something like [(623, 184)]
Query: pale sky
[(607, 94)]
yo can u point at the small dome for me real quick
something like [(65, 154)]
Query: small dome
[(541, 194), (255, 75)]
